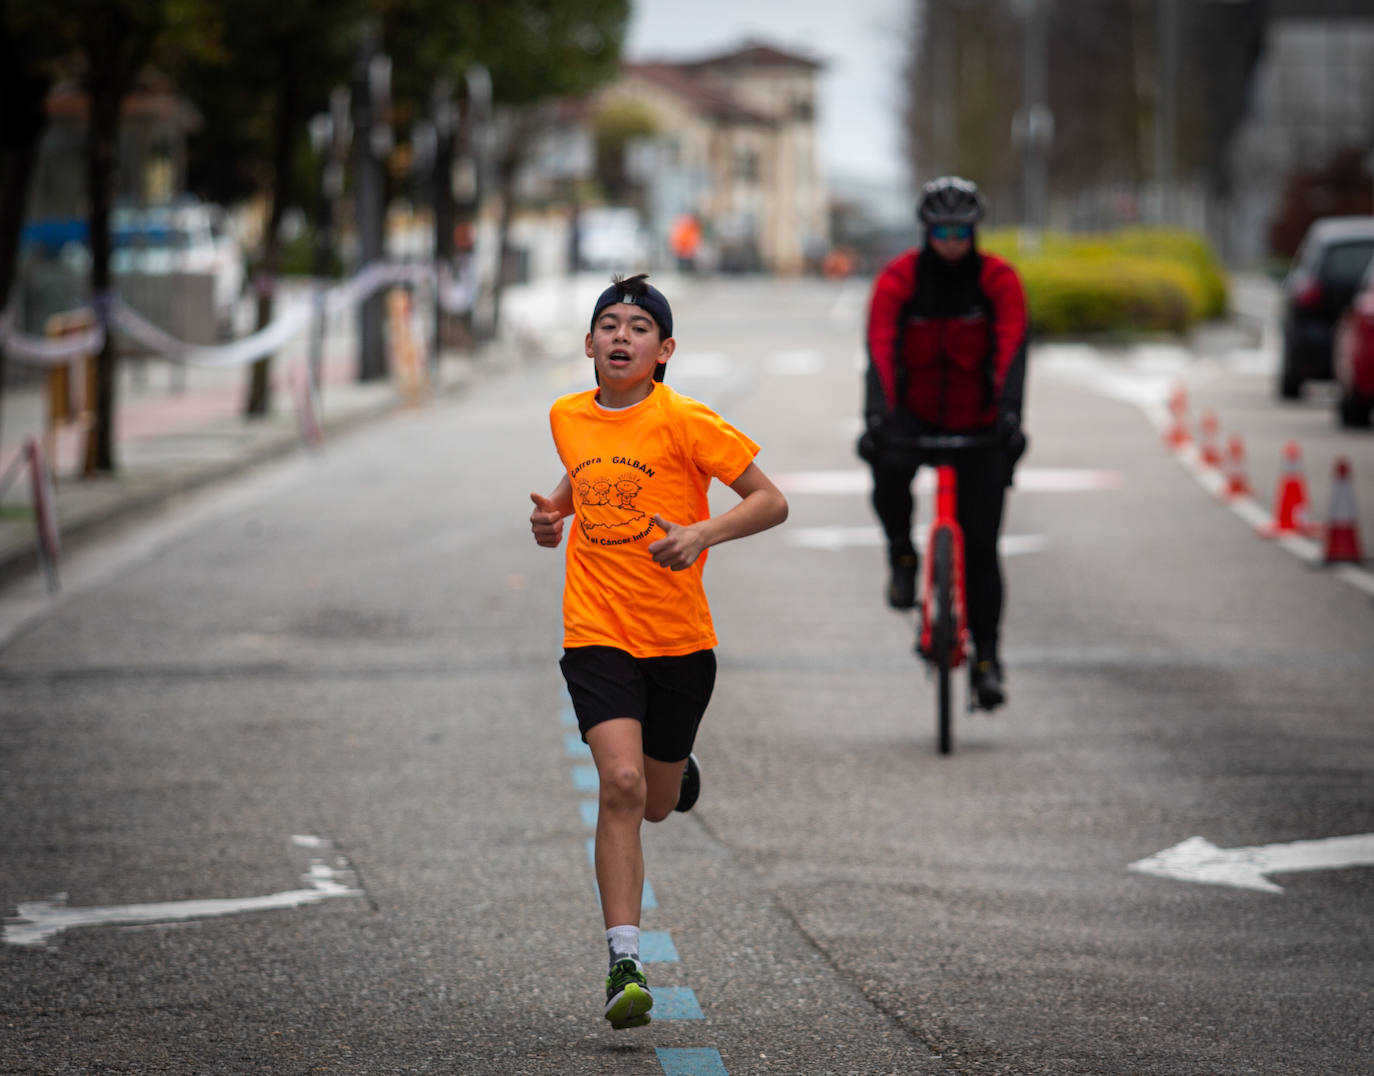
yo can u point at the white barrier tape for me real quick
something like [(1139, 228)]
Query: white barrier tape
[(44, 351), (371, 279), (48, 350), (267, 340)]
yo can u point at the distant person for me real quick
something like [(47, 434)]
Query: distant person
[(947, 354), (686, 241), (637, 633)]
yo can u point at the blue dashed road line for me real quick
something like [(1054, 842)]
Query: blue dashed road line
[(647, 899), (656, 947), (573, 746), (676, 1003), (585, 779), (690, 1062)]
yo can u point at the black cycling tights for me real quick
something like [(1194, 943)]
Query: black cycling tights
[(982, 491)]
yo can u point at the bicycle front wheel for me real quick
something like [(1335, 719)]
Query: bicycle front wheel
[(942, 632)]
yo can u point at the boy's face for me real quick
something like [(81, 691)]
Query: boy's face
[(624, 343)]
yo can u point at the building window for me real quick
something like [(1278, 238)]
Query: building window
[(746, 165)]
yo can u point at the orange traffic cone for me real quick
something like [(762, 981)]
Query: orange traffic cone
[(1342, 533), (1237, 485), (1290, 498), (1177, 434), (1207, 443)]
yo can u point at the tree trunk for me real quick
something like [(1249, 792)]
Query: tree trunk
[(21, 128), (115, 49), (506, 170), (106, 95), (287, 121)]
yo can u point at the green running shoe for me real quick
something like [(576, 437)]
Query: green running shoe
[(628, 1000)]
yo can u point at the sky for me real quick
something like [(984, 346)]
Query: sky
[(861, 43)]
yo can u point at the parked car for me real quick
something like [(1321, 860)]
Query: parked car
[(186, 237), (1354, 356), (1319, 286), (611, 237)]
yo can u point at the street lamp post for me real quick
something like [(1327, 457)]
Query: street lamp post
[(329, 136), (1033, 125), (371, 147), (444, 120), (1167, 46)]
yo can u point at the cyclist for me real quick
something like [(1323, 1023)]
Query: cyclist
[(947, 333)]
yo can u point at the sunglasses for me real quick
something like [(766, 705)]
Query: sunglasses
[(951, 231)]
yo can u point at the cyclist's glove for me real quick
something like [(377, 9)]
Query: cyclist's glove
[(1013, 440), (874, 438)]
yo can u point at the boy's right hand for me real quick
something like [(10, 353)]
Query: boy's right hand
[(546, 521)]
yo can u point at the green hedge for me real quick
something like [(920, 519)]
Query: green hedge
[(1137, 280)]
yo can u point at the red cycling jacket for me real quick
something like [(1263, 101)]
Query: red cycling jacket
[(956, 370)]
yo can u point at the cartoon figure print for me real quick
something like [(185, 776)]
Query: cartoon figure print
[(608, 505)]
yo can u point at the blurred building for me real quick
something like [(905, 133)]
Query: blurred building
[(737, 146), (150, 169), (1305, 145), (150, 164), (170, 257), (1197, 113)]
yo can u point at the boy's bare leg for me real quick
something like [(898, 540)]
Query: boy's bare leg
[(664, 781), (618, 751)]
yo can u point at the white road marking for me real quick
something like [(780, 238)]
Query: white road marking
[(1199, 860), (699, 364), (849, 305), (859, 480), (1145, 381), (39, 920), (842, 536), (797, 363)]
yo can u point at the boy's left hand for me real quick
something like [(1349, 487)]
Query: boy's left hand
[(679, 547)]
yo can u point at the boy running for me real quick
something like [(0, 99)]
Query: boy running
[(637, 632)]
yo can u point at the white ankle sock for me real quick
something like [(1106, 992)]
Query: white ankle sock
[(623, 942)]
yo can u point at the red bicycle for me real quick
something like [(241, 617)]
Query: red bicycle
[(942, 632)]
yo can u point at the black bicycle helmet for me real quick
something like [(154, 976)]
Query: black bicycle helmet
[(950, 200)]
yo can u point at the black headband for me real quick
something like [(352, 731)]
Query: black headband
[(652, 302)]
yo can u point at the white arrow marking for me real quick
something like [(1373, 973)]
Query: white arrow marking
[(1199, 860), (39, 920)]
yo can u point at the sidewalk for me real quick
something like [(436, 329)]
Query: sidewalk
[(181, 428)]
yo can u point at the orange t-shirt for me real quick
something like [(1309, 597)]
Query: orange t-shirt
[(656, 457)]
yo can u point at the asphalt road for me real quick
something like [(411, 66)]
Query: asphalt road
[(351, 659)]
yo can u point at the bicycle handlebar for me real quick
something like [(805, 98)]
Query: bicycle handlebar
[(940, 442)]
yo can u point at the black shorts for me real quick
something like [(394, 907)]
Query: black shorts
[(667, 696)]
